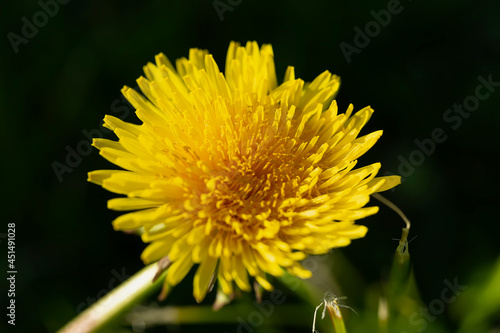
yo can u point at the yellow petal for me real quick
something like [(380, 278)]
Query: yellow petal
[(179, 269), (156, 251), (132, 203), (390, 182), (240, 275), (203, 277)]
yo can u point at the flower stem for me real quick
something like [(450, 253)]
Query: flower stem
[(336, 317), (116, 302)]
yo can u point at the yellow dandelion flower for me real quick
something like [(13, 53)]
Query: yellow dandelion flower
[(236, 173)]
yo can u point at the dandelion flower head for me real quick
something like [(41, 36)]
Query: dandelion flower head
[(235, 174)]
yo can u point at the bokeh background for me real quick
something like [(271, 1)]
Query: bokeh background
[(67, 75)]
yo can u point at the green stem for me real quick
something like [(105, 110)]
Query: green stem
[(336, 317), (116, 302)]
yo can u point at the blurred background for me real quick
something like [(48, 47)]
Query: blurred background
[(415, 62)]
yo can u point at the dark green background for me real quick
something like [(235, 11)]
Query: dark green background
[(69, 75)]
